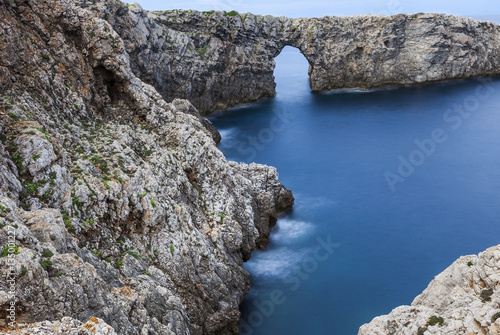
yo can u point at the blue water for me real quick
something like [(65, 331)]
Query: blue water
[(384, 244)]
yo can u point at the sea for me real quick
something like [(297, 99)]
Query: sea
[(391, 186)]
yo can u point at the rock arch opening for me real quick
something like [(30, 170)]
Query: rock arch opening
[(291, 72)]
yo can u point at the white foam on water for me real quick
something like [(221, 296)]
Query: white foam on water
[(309, 203), (360, 90), (227, 134), (287, 230), (283, 256), (228, 139), (278, 263)]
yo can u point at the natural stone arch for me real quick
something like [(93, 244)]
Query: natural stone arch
[(217, 61), (289, 45)]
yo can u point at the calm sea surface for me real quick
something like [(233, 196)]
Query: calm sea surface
[(391, 187)]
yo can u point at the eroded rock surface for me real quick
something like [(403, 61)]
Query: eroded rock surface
[(119, 204), (463, 299), (66, 326), (115, 202), (218, 60)]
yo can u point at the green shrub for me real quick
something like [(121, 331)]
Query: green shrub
[(95, 252), (134, 254), (18, 160), (47, 253), (421, 330), (46, 263), (13, 116), (31, 188), (231, 13), (495, 317), (46, 196), (153, 203), (5, 251), (434, 320), (486, 295), (88, 222), (202, 51)]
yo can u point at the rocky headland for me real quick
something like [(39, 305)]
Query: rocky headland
[(463, 299), (118, 213), (116, 204), (218, 60)]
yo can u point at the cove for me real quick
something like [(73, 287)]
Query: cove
[(354, 247)]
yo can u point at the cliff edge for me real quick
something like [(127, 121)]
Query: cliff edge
[(117, 211), (463, 299), (218, 59), (118, 214)]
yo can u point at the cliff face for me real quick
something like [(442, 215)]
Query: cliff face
[(115, 204), (463, 299), (218, 60), (116, 207)]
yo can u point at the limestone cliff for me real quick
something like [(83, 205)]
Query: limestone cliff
[(118, 211), (463, 299), (218, 60), (114, 204)]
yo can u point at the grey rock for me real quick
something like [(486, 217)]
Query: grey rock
[(188, 108), (121, 205), (67, 326), (157, 223), (465, 296), (217, 61)]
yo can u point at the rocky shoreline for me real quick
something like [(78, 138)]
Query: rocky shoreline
[(217, 60), (116, 205), (118, 214), (463, 299)]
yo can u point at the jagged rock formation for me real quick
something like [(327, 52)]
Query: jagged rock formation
[(113, 203), (463, 299), (218, 60), (66, 326)]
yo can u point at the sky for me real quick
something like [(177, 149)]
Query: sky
[(316, 8)]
